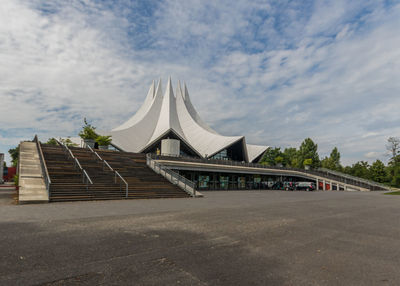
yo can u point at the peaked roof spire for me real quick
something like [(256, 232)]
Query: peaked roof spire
[(161, 115), (158, 91), (168, 119), (169, 91), (178, 90), (185, 91), (142, 110)]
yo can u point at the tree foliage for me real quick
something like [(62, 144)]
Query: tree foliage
[(393, 171), (393, 146), (103, 140), (307, 154), (88, 131), (333, 161), (14, 153), (377, 171), (308, 150), (51, 141), (290, 157), (360, 169), (270, 156)]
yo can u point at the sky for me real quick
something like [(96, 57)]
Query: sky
[(274, 71)]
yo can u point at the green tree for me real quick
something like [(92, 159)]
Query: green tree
[(52, 141), (377, 172), (393, 171), (279, 160), (290, 157), (308, 150), (393, 146), (393, 168), (348, 170), (326, 163), (359, 169), (270, 155), (395, 182), (14, 153), (333, 161), (335, 158)]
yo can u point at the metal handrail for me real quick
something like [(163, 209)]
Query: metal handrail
[(104, 162), (45, 171), (77, 164), (108, 165), (70, 152), (84, 171), (174, 178), (122, 180), (344, 178), (98, 157)]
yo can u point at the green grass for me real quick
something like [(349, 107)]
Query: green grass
[(393, 193)]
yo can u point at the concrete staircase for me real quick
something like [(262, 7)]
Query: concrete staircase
[(67, 183), (32, 188), (143, 181)]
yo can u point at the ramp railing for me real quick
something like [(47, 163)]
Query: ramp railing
[(173, 177), (353, 178), (328, 174)]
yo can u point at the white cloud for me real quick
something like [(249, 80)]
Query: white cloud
[(276, 73), (372, 155)]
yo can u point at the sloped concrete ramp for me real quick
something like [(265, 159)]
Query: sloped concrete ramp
[(32, 188)]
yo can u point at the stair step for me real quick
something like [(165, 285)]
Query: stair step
[(67, 182)]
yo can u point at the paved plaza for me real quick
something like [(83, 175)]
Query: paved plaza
[(226, 238)]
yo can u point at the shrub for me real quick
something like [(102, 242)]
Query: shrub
[(88, 131), (103, 140), (16, 180)]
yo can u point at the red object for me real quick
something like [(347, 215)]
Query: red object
[(321, 186), (11, 173)]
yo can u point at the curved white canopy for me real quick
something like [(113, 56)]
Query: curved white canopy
[(159, 115), (254, 151)]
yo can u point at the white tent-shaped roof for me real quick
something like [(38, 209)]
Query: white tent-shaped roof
[(160, 116)]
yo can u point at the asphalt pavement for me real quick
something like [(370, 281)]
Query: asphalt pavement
[(226, 238)]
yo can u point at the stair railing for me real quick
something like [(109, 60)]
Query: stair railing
[(45, 171), (85, 177), (116, 174), (172, 176)]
